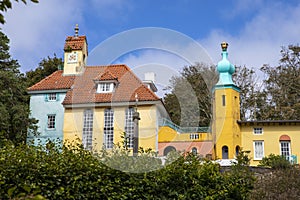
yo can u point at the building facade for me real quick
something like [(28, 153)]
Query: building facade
[(95, 104)]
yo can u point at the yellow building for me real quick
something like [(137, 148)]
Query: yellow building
[(95, 104), (279, 137), (260, 138)]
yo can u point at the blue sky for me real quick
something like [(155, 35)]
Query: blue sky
[(254, 29)]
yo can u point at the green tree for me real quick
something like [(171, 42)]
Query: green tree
[(14, 109), (7, 4), (46, 67), (282, 86), (189, 100), (252, 99), (275, 162)]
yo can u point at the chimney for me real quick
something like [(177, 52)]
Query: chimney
[(149, 81)]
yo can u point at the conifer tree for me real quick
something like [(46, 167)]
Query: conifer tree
[(14, 100)]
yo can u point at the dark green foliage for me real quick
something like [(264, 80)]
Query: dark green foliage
[(189, 100), (46, 67), (14, 107), (74, 173), (282, 86), (275, 162), (7, 4)]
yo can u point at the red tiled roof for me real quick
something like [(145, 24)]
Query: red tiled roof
[(55, 81), (107, 75), (84, 88), (74, 43)]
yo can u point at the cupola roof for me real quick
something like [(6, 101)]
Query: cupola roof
[(225, 68)]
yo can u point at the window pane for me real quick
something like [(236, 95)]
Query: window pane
[(108, 128), (129, 130), (258, 149), (87, 132), (52, 97), (51, 122), (257, 130), (285, 148)]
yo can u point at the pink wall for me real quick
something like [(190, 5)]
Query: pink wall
[(203, 148)]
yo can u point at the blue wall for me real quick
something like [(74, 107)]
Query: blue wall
[(40, 108)]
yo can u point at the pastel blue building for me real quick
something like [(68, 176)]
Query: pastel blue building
[(46, 99)]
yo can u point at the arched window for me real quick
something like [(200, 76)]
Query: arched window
[(225, 152), (285, 145), (237, 150), (168, 149), (194, 151)]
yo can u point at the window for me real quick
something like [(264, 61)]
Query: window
[(223, 100), (237, 150), (194, 136), (105, 87), (285, 149), (87, 132), (258, 130), (129, 127), (258, 150), (194, 151), (52, 97), (108, 128), (225, 152), (51, 122)]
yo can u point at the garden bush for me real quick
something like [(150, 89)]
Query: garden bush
[(70, 172)]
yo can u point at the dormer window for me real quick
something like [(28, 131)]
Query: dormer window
[(105, 82), (105, 87)]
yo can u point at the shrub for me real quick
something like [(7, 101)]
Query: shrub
[(275, 162), (70, 172)]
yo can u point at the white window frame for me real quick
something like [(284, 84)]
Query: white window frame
[(194, 136), (285, 150), (258, 155), (105, 87), (52, 97), (258, 130), (87, 130), (108, 128), (51, 121), (129, 127)]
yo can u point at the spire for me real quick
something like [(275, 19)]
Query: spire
[(76, 30), (225, 68)]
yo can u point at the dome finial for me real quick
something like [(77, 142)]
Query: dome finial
[(224, 46), (76, 30)]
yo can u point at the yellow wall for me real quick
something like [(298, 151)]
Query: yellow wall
[(167, 134), (270, 136), (73, 124), (225, 128)]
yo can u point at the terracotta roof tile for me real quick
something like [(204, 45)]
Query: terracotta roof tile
[(55, 81), (74, 43), (107, 75), (84, 88)]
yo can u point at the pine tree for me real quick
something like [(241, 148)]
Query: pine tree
[(14, 100)]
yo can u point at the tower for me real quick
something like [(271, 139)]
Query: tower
[(226, 111), (75, 53)]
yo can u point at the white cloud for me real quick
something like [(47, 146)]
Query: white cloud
[(260, 40), (39, 30)]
